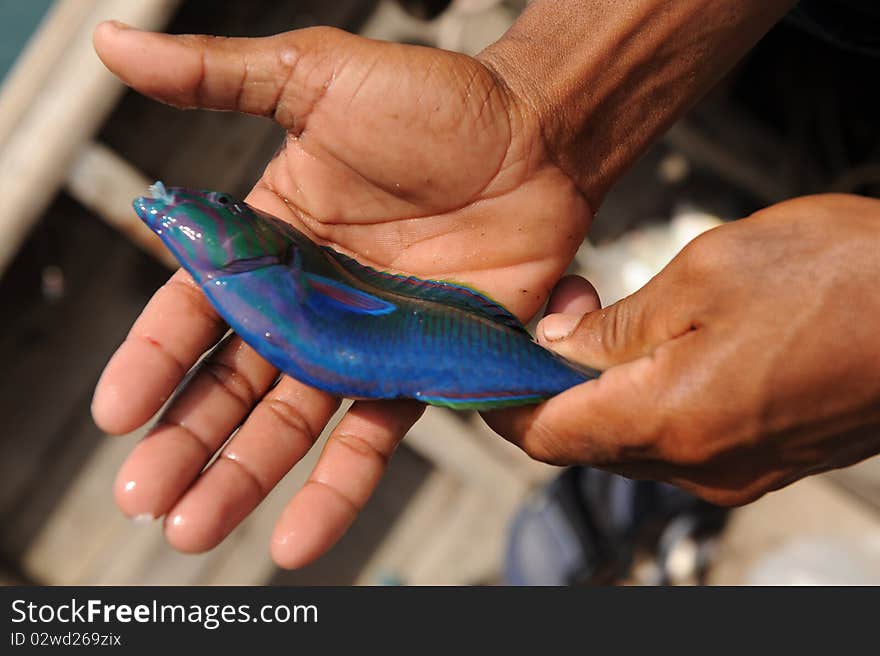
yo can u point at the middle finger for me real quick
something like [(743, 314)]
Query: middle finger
[(199, 420)]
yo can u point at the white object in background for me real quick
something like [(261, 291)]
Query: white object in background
[(471, 25), (820, 560), (621, 267), (466, 26)]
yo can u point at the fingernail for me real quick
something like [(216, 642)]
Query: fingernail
[(119, 25), (558, 326), (143, 518)]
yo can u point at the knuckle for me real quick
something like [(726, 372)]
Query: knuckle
[(689, 436), (702, 254), (670, 431), (291, 419), (707, 435), (167, 355), (364, 447), (232, 381), (655, 411), (605, 332), (685, 449), (718, 251), (184, 287), (182, 291), (326, 32), (636, 446), (247, 473), (353, 504), (616, 328), (182, 434), (545, 445), (697, 415), (312, 43), (643, 443)]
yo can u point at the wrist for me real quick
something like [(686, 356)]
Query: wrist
[(605, 78)]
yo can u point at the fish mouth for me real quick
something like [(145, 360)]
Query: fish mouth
[(159, 192), (151, 209)]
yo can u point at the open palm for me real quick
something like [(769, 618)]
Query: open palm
[(410, 159)]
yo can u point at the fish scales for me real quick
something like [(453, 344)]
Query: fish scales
[(351, 330)]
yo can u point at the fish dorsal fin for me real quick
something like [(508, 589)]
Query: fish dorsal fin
[(448, 293), (325, 293)]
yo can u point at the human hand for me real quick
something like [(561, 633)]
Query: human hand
[(409, 159), (750, 361)]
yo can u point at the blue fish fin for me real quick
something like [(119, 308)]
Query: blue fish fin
[(331, 294), (449, 293), (480, 404)]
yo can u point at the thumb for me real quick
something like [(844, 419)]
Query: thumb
[(625, 331), (281, 76)]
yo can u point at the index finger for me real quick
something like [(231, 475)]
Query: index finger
[(175, 328)]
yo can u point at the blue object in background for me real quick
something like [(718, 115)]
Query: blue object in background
[(18, 21)]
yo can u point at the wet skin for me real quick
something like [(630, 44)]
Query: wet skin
[(749, 362), (445, 176)]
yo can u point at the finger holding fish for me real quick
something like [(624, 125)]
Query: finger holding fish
[(349, 329)]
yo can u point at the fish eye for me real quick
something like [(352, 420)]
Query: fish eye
[(223, 199)]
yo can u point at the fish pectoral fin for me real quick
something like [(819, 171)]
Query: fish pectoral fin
[(331, 294)]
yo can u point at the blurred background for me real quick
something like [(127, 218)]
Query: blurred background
[(796, 116)]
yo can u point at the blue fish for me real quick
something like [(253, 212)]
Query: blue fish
[(345, 328)]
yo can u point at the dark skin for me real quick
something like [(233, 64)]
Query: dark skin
[(748, 363), (731, 373)]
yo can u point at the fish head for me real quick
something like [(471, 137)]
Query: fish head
[(211, 233)]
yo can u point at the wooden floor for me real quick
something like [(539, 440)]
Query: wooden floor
[(441, 513), (53, 353)]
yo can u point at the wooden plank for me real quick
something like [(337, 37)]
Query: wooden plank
[(416, 526), (106, 184), (452, 533), (62, 459), (445, 440), (54, 350), (813, 508), (82, 524), (34, 65), (466, 548), (861, 480), (531, 472), (74, 99)]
